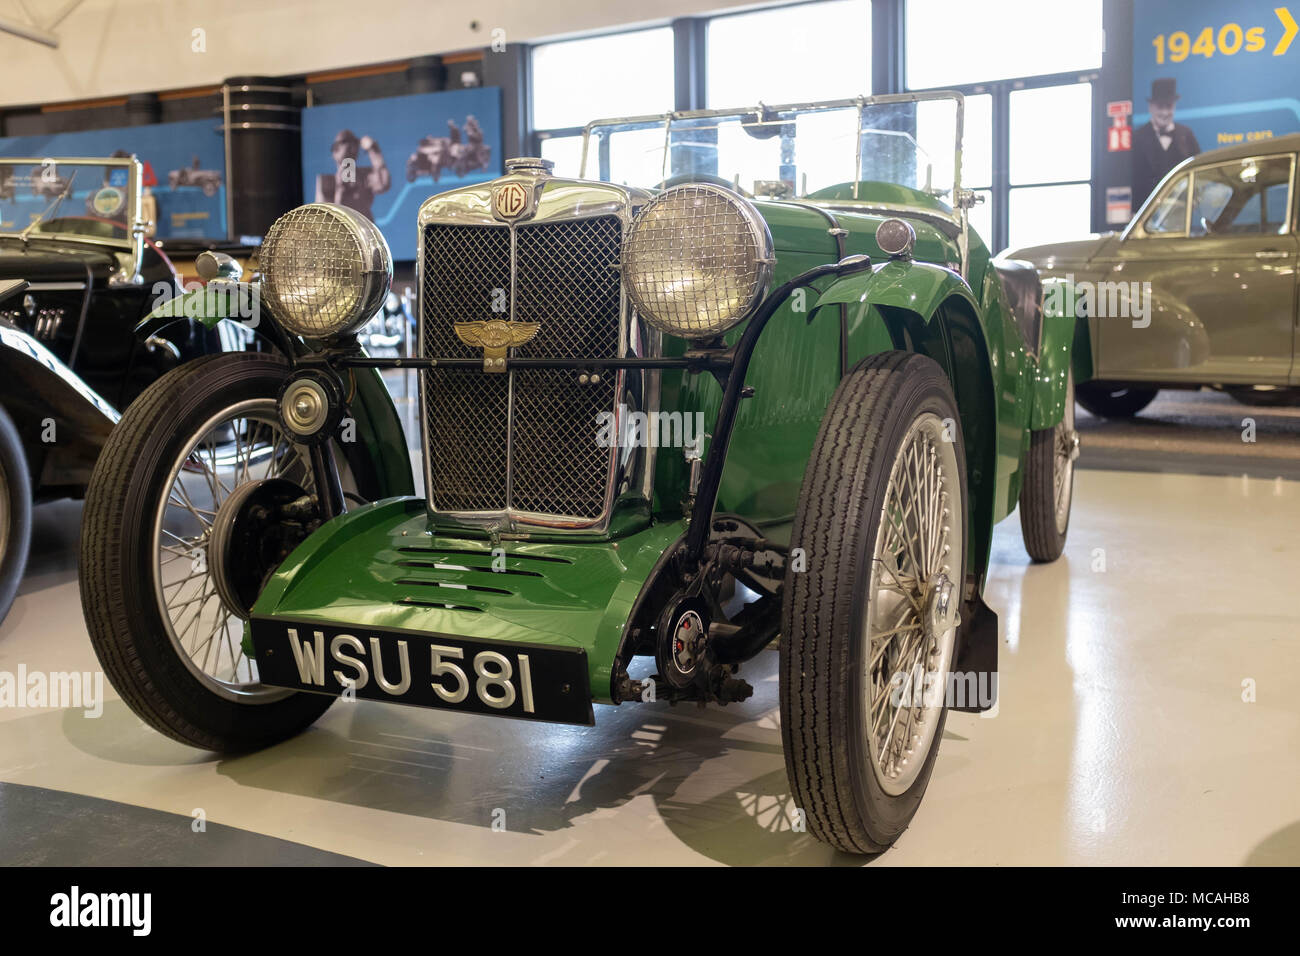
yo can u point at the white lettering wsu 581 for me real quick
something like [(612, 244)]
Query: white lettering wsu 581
[(494, 675)]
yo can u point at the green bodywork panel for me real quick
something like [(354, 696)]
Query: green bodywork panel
[(201, 305), (379, 431), (1055, 354), (359, 568)]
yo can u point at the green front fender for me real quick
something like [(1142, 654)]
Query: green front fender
[(931, 310), (1056, 346), (375, 449), (377, 455), (207, 306), (901, 284)]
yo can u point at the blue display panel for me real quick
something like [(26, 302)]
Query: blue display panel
[(1218, 74), (184, 169), (385, 157)]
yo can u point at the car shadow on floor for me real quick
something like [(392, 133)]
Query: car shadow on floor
[(716, 775), (1281, 848)]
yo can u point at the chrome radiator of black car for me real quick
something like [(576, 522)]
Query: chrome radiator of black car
[(523, 442)]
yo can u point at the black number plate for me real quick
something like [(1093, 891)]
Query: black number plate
[(501, 679)]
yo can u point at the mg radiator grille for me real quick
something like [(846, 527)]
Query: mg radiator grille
[(526, 440)]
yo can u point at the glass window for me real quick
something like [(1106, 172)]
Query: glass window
[(1041, 214), (622, 74), (814, 51), (1051, 134), (565, 152), (955, 42), (635, 159), (1169, 217), (1249, 197)]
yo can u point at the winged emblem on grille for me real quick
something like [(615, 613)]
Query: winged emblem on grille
[(494, 337)]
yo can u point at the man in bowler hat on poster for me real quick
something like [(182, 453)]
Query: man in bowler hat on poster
[(1161, 144)]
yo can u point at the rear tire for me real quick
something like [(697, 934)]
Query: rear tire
[(1107, 401), (133, 636), (15, 512), (1047, 490), (856, 617)]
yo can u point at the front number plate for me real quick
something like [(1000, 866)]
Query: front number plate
[(501, 679)]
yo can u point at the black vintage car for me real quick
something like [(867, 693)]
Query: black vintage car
[(77, 274)]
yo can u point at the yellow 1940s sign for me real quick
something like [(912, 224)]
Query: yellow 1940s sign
[(1227, 40)]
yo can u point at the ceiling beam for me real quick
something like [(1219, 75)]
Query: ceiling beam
[(38, 34)]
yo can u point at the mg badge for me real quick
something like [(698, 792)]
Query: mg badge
[(510, 200)]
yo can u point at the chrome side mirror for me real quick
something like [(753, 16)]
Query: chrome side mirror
[(217, 265)]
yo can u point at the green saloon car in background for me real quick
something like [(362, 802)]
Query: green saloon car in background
[(776, 388), (1200, 288)]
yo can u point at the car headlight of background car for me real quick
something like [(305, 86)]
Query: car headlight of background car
[(325, 270), (696, 260)]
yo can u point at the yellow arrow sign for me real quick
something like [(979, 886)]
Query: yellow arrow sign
[(1289, 28)]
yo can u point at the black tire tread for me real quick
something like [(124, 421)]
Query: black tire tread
[(813, 699), (1038, 499), (108, 619), (20, 512)]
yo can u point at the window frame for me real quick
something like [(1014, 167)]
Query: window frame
[(535, 135), (888, 43), (1238, 163), (1138, 230)]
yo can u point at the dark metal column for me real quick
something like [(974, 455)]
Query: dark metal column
[(426, 74), (1116, 83), (263, 138), (143, 109), (887, 50), (508, 69), (689, 63)]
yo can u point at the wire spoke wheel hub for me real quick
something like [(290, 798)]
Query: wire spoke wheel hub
[(236, 468), (913, 603)]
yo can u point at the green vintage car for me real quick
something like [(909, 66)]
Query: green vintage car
[(661, 426), (1198, 290)]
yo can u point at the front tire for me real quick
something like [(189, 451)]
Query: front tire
[(881, 522), (183, 448), (1047, 491), (15, 512)]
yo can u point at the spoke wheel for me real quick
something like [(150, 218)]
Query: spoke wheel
[(1066, 442), (1047, 484), (164, 608), (234, 448), (868, 628), (908, 657)]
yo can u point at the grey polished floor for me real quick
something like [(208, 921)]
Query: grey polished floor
[(1150, 714), (1122, 735)]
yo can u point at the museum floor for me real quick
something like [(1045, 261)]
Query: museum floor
[(1122, 735)]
